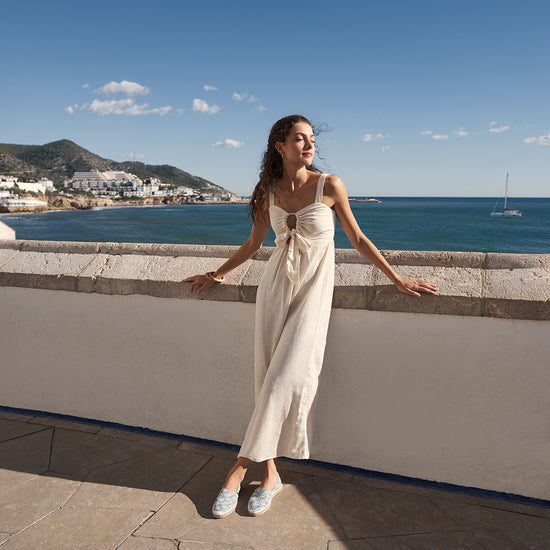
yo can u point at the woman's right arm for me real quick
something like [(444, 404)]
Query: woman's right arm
[(245, 251)]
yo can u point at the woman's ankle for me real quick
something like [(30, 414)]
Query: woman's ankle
[(236, 475)]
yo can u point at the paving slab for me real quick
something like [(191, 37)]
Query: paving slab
[(77, 454), (140, 543), (490, 502), (75, 529), (356, 544), (23, 458), (371, 512), (498, 528), (144, 483), (10, 429), (27, 502), (67, 424), (156, 440), (191, 545), (205, 448), (459, 540), (312, 470), (190, 507), (463, 496), (17, 417)]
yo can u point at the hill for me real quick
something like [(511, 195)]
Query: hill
[(59, 160)]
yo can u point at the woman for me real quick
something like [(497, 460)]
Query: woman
[(293, 301)]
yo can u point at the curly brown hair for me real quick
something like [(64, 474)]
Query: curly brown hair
[(272, 163)]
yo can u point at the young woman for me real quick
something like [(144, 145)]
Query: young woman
[(293, 301)]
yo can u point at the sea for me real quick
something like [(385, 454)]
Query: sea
[(395, 223)]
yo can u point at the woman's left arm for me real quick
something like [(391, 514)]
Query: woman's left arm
[(336, 191)]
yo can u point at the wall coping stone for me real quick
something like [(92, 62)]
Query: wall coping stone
[(507, 286)]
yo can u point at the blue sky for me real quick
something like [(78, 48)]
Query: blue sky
[(421, 98)]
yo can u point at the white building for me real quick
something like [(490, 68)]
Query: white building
[(5, 180), (41, 186), (48, 184), (102, 180)]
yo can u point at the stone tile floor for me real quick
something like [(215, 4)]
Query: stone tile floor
[(70, 485)]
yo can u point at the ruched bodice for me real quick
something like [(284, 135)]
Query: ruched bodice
[(314, 229), (292, 312), (315, 222)]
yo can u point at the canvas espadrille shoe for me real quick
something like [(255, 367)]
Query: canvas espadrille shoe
[(260, 500), (225, 503)]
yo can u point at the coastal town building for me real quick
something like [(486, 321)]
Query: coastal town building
[(116, 183), (41, 186), (15, 203), (102, 180)]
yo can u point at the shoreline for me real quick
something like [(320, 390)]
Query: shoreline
[(63, 202)]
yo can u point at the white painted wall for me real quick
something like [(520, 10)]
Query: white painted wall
[(460, 400)]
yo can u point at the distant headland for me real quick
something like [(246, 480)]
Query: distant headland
[(62, 174)]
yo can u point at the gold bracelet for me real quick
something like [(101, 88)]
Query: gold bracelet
[(210, 277)]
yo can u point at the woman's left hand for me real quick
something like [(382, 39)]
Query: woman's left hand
[(415, 287)]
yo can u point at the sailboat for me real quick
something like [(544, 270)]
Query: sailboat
[(507, 212)]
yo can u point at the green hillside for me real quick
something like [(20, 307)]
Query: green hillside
[(59, 160)]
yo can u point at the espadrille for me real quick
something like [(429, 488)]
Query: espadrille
[(225, 503), (260, 500)]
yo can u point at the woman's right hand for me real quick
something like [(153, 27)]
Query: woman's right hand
[(202, 282)]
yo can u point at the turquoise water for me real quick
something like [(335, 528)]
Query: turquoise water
[(454, 224)]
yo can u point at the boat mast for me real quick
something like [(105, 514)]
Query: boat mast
[(506, 192)]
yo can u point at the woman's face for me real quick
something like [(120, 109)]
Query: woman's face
[(299, 146)]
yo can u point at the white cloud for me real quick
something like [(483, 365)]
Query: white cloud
[(259, 108), (85, 85), (372, 137), (499, 129), (123, 107), (385, 148), (240, 97), (124, 87), (461, 132), (71, 108), (440, 136), (229, 144), (208, 88), (426, 133), (203, 107), (252, 99), (541, 140)]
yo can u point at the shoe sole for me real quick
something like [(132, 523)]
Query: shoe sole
[(219, 516), (256, 514)]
